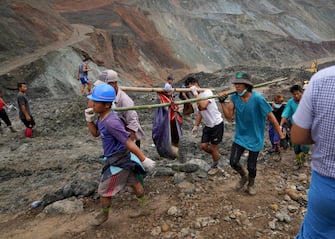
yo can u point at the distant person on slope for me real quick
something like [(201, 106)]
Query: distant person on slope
[(82, 75), (300, 150), (24, 109), (121, 167), (4, 116), (314, 124), (250, 110)]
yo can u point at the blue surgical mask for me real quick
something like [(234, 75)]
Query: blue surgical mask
[(277, 106), (243, 92)]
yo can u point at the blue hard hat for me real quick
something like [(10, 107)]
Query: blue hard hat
[(103, 93)]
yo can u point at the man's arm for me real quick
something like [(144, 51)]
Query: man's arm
[(282, 121), (25, 112), (135, 150), (300, 135), (273, 120), (93, 129), (202, 104)]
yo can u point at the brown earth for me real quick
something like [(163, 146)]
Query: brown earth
[(201, 205)]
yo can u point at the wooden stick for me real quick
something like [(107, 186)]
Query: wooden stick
[(229, 92), (146, 89)]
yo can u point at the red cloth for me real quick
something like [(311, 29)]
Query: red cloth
[(1, 105), (173, 107)]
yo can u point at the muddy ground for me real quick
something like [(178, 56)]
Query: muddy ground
[(59, 167)]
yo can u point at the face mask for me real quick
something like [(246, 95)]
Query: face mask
[(277, 106), (243, 92)]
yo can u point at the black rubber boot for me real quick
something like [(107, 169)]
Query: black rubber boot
[(243, 180), (251, 186)]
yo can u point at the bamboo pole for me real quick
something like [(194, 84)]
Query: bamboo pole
[(229, 92), (147, 89)]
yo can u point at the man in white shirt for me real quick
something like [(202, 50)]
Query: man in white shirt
[(212, 133)]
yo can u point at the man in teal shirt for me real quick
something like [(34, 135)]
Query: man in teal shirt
[(250, 110), (300, 150)]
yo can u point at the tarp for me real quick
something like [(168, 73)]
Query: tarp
[(166, 129)]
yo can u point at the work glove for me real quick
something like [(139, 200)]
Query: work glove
[(194, 90), (149, 164), (283, 143), (222, 99), (195, 130), (89, 114)]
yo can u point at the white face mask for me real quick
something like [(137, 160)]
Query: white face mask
[(243, 92), (277, 106)]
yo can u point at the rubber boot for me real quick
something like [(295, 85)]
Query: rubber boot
[(140, 178), (142, 200), (298, 161), (142, 211), (29, 132), (243, 180), (251, 186), (101, 217)]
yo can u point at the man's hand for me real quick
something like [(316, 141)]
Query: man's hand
[(283, 143), (89, 114), (149, 164), (194, 90), (222, 99)]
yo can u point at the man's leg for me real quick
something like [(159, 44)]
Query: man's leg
[(89, 88), (213, 150), (82, 89), (235, 156), (104, 213), (139, 192), (252, 169)]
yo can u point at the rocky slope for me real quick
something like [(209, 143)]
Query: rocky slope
[(147, 40)]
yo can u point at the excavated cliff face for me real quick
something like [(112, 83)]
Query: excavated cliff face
[(26, 26), (145, 40), (225, 33), (126, 39), (148, 39)]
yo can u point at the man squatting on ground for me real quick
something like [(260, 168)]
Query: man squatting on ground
[(250, 110), (212, 133), (121, 167)]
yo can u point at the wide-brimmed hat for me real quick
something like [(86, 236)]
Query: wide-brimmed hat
[(242, 78)]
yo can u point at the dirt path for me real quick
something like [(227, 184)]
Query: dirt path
[(80, 32)]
